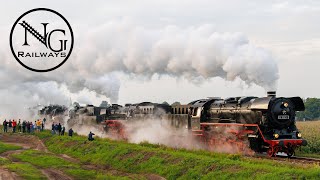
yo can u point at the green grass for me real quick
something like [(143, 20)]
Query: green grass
[(4, 161), (302, 154), (43, 160), (7, 147), (136, 160), (82, 174), (175, 163), (91, 174), (26, 171)]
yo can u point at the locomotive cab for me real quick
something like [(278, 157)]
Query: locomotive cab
[(200, 109)]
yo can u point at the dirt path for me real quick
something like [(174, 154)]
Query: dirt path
[(55, 174), (7, 175), (27, 142)]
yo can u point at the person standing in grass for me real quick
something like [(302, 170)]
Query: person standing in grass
[(59, 129), (31, 127), (38, 125), (35, 126), (56, 129), (10, 125), (24, 124), (14, 126), (19, 125), (28, 127), (42, 126), (63, 130), (70, 132), (44, 122), (53, 129), (5, 126)]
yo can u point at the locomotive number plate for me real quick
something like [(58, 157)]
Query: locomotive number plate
[(283, 117)]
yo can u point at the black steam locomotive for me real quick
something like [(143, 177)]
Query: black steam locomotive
[(268, 122)]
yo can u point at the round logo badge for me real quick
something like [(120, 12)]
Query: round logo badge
[(41, 40)]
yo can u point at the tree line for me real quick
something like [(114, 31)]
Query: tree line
[(312, 111)]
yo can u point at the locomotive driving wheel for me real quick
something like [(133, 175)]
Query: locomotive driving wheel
[(270, 152), (273, 150), (290, 152)]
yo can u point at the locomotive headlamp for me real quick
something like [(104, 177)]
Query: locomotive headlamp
[(276, 136), (299, 135), (285, 104)]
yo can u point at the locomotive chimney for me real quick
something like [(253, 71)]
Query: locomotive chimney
[(271, 93)]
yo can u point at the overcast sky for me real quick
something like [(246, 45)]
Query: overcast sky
[(289, 30)]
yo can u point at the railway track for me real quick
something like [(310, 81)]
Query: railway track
[(304, 159), (294, 159)]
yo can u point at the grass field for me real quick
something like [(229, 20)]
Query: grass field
[(30, 164), (311, 132), (97, 159), (174, 163), (25, 170)]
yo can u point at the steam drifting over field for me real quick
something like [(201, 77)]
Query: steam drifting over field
[(158, 131)]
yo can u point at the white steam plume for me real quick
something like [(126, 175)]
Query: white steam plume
[(194, 53), (180, 52)]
